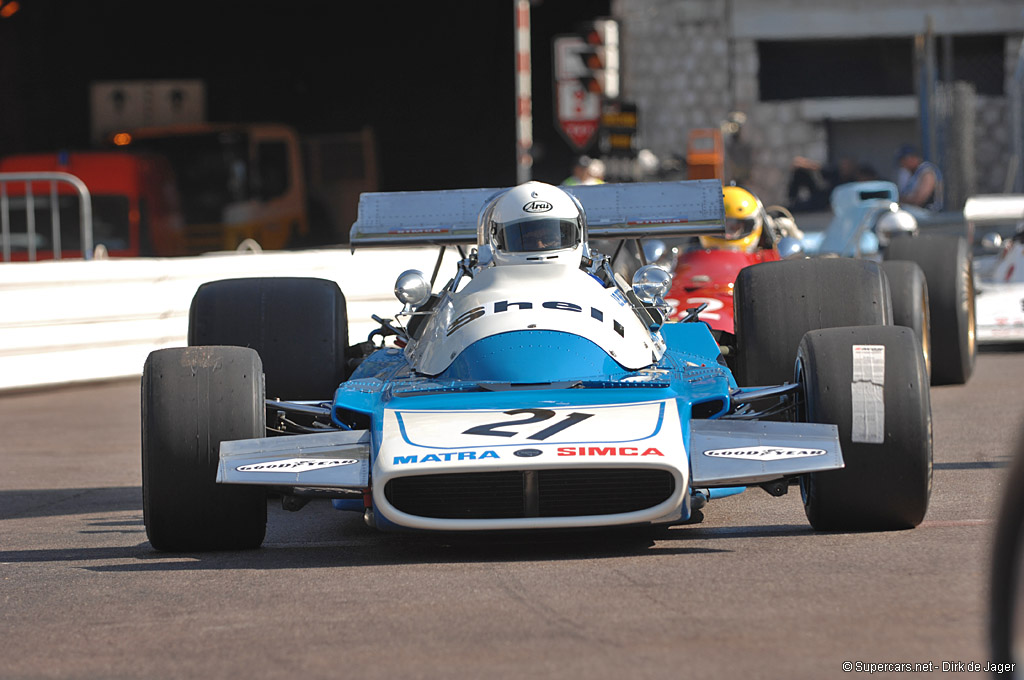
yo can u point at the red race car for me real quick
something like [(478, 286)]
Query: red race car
[(705, 275)]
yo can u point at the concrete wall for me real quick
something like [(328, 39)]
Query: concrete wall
[(75, 320)]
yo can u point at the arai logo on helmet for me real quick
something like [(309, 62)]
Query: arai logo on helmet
[(537, 207)]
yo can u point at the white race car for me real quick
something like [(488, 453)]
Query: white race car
[(999, 278)]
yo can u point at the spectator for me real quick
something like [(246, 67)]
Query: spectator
[(586, 171), (920, 181), (866, 173)]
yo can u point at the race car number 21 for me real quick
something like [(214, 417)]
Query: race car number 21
[(538, 415)]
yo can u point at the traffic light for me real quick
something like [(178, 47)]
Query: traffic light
[(601, 58), (8, 9), (586, 70)]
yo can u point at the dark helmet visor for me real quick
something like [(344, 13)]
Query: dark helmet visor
[(739, 227), (534, 235)]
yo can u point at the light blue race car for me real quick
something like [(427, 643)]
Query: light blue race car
[(930, 274), (536, 389)]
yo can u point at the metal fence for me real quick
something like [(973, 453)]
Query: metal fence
[(956, 108), (1015, 93), (20, 206), (970, 102)]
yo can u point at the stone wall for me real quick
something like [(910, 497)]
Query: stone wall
[(675, 65), (684, 69)]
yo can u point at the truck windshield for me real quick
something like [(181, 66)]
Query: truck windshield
[(211, 170)]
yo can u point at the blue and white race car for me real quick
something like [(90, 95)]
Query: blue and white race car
[(535, 389)]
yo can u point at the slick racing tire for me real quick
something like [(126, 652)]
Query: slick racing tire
[(870, 381), (775, 303), (193, 398), (1006, 597), (948, 268), (909, 293), (299, 326)]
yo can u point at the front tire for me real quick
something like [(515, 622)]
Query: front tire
[(193, 398), (871, 382)]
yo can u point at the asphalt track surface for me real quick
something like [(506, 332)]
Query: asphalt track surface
[(752, 592)]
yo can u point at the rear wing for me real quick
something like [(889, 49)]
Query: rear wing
[(994, 208), (640, 210)]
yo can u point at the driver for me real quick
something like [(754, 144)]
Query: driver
[(537, 235), (534, 223), (744, 222)]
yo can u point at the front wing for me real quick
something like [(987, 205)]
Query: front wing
[(537, 467)]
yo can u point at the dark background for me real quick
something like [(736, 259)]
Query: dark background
[(434, 80)]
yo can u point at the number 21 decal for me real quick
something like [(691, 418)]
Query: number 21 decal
[(539, 415)]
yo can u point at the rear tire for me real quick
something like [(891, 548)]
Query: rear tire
[(909, 292), (949, 270), (884, 421), (775, 303), (193, 398), (299, 326)]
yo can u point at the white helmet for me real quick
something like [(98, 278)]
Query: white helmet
[(534, 223)]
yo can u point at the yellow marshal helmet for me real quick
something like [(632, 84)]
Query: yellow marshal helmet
[(744, 221)]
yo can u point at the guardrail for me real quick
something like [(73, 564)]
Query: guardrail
[(28, 200), (73, 321)]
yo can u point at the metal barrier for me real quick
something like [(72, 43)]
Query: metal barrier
[(28, 198)]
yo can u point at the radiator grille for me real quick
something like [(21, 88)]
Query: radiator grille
[(538, 493)]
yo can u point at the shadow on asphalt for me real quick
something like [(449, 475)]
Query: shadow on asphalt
[(361, 552), (973, 465), (1002, 348), (319, 536), (21, 504)]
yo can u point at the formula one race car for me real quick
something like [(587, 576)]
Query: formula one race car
[(535, 389), (929, 278), (705, 273), (1000, 278), (930, 275)]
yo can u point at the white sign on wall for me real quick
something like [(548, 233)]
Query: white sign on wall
[(125, 104)]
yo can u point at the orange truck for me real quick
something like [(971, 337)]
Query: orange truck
[(134, 203), (237, 181), (195, 188)]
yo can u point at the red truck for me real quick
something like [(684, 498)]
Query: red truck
[(136, 209)]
